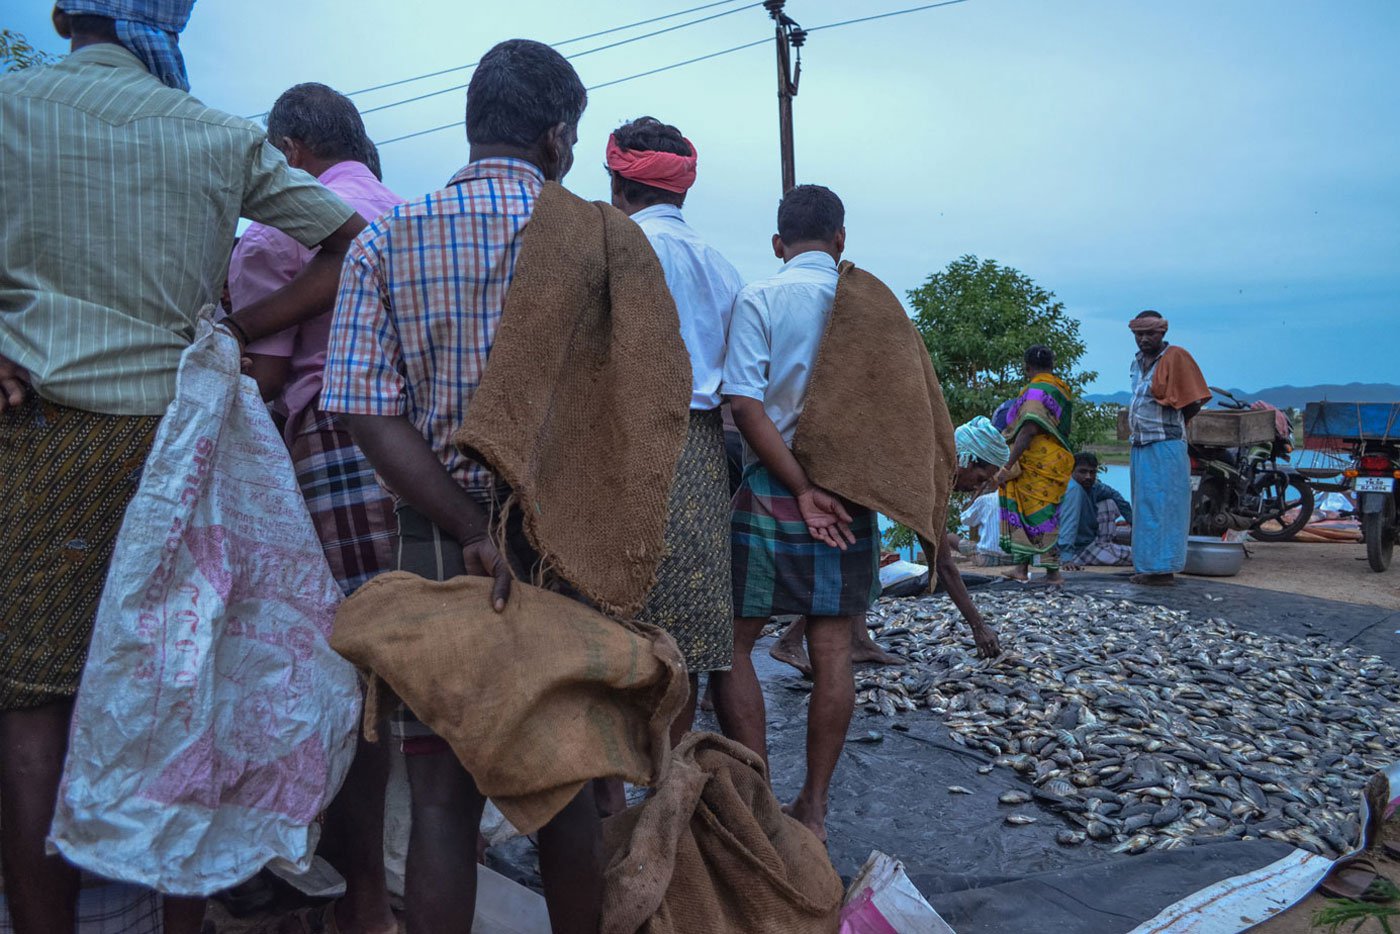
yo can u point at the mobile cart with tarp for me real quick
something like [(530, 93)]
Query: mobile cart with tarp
[(1371, 432)]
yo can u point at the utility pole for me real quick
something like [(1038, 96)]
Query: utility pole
[(788, 35)]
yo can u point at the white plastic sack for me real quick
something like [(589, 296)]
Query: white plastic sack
[(213, 721), (882, 900)]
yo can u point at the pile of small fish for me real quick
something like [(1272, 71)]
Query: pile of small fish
[(1146, 727)]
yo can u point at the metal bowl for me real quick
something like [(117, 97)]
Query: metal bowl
[(1210, 557)]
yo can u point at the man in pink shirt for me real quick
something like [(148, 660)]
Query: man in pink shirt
[(320, 131)]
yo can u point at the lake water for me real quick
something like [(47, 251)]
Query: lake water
[(1119, 477)]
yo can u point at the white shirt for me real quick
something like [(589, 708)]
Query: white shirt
[(775, 334), (704, 284), (984, 517)]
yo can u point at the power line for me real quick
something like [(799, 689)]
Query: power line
[(689, 61), (601, 48), (866, 19), (605, 84), (591, 35)]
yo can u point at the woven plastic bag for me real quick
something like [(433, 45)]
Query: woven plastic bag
[(882, 900), (213, 721)]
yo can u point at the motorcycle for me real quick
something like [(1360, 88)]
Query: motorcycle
[(1375, 479), (1247, 489)]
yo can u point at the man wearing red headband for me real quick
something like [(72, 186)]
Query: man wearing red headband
[(652, 167)]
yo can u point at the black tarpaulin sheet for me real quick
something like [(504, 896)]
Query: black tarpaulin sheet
[(983, 875)]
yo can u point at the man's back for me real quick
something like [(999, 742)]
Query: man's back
[(704, 285), (421, 298), (130, 196), (775, 334)]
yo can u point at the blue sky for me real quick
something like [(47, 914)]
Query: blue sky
[(1234, 165)]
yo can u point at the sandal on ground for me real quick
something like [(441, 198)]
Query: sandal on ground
[(1353, 879)]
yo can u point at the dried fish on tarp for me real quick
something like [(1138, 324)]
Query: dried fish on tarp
[(1146, 727)]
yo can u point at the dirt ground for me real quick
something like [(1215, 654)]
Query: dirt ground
[(1331, 571), (1298, 920)]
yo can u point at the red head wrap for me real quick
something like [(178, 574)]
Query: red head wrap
[(664, 170)]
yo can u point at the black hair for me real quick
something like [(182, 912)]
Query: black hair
[(92, 26), (1040, 357), (1086, 458), (1147, 314), (651, 135), (372, 162), (323, 120), (520, 89), (810, 212)]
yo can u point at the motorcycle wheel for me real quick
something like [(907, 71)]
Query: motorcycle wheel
[(1292, 492), (1207, 502), (1378, 528)]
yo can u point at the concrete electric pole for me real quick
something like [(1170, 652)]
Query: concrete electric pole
[(788, 36)]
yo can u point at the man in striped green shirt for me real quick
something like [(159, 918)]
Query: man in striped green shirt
[(121, 196)]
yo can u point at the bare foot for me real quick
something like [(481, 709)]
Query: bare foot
[(792, 654), (1153, 580), (868, 652), (1020, 574), (808, 816)]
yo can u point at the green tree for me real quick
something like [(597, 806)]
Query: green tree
[(16, 52), (977, 318)]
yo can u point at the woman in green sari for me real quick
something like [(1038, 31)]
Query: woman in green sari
[(1034, 481)]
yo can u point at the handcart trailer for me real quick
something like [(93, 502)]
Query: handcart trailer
[(1372, 431)]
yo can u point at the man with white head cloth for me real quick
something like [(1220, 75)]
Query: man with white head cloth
[(982, 451)]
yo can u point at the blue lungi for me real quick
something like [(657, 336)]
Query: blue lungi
[(1161, 476)]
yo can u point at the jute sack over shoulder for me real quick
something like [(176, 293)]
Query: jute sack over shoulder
[(712, 853), (874, 427), (584, 405), (536, 700)]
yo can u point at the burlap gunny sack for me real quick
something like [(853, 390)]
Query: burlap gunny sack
[(536, 700), (711, 852), (874, 427), (584, 406)]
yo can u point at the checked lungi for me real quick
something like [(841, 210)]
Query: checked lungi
[(1103, 551), (66, 478), (780, 569), (352, 513)]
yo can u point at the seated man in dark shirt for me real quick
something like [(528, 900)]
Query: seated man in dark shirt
[(1089, 518)]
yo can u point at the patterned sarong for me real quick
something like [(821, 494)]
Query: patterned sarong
[(692, 598), (1103, 551), (66, 478), (353, 515), (780, 569), (1030, 502)]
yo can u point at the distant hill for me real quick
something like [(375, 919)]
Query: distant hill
[(1292, 397)]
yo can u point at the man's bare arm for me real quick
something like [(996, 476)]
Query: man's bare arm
[(400, 454), (986, 638), (270, 373), (311, 293)]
